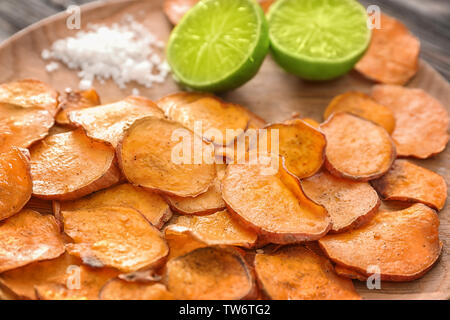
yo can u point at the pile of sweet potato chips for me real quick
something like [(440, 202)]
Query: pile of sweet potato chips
[(136, 216)]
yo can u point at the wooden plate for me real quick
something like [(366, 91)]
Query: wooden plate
[(272, 94)]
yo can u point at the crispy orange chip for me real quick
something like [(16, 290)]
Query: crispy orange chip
[(180, 242), (402, 245), (349, 203), (161, 155), (70, 165), (216, 229), (297, 273), (29, 93), (66, 287), (21, 281), (210, 273), (21, 127), (107, 122), (313, 123), (272, 203), (357, 149), (176, 9), (301, 145), (221, 122), (150, 204), (421, 128), (412, 183), (117, 289), (393, 54), (15, 181), (75, 100), (117, 237), (349, 273), (362, 105), (27, 237)]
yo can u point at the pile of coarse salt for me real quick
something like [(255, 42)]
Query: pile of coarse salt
[(124, 51)]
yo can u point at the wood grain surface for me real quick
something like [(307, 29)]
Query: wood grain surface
[(272, 94), (429, 20)]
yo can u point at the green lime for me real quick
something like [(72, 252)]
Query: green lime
[(218, 45), (318, 39)]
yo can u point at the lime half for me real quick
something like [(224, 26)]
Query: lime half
[(318, 39), (218, 45)]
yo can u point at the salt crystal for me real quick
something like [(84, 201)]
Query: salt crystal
[(123, 52), (52, 66), (135, 92)]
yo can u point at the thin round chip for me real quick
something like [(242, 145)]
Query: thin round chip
[(117, 289), (75, 100), (221, 122), (421, 128), (29, 93), (313, 123), (362, 105), (161, 155), (357, 149), (393, 54), (210, 273), (350, 204), (78, 283), (349, 273), (28, 237), (206, 203), (15, 182), (403, 245), (21, 281), (297, 273), (301, 145), (412, 183), (216, 229), (108, 122), (150, 204), (114, 236), (70, 165), (273, 203), (180, 242), (21, 127)]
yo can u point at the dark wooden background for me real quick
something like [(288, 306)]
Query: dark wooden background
[(427, 19)]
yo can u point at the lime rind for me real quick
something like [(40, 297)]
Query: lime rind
[(226, 54), (318, 65)]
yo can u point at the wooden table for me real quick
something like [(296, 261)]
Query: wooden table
[(429, 20)]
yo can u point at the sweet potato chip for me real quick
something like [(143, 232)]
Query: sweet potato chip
[(27, 237), (29, 93), (176, 9), (349, 273), (313, 123), (80, 283), (206, 203), (21, 127), (108, 122), (117, 237), (216, 229), (210, 273), (180, 242), (273, 203), (297, 273), (75, 100), (70, 165), (357, 149), (152, 156), (421, 128), (22, 281), (362, 105), (117, 289), (393, 54), (301, 145), (404, 244), (221, 122), (412, 183), (350, 204), (151, 205), (15, 181)]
